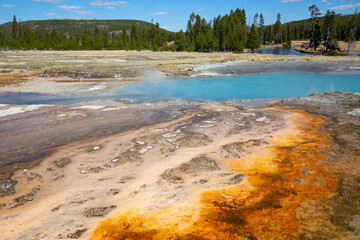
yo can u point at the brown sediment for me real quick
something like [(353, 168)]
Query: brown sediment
[(280, 177), (32, 152), (132, 128), (14, 77)]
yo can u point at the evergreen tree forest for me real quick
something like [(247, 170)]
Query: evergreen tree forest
[(328, 27), (232, 32), (21, 37)]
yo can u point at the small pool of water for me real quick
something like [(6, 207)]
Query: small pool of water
[(259, 86), (273, 85), (279, 51)]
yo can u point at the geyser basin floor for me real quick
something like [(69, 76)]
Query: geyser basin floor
[(199, 169)]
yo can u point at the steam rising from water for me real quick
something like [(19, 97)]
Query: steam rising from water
[(153, 75), (153, 85)]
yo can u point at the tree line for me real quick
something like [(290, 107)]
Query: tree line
[(223, 33), (21, 37), (329, 29), (232, 32)]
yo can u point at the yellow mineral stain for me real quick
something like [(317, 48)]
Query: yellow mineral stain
[(279, 178)]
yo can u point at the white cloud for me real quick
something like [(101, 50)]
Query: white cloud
[(69, 8), (286, 1), (103, 3), (326, 1), (76, 9), (52, 14), (344, 7), (159, 13), (50, 1), (56, 15), (8, 6), (198, 10), (88, 12)]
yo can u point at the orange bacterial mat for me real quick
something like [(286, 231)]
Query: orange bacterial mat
[(280, 177)]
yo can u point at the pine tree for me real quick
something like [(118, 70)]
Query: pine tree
[(210, 38), (351, 36), (97, 39), (197, 26), (27, 37), (106, 40), (85, 40), (329, 27), (315, 38), (200, 42), (125, 38), (14, 29), (253, 39), (278, 30), (134, 37), (243, 17), (256, 17), (53, 39), (190, 27), (296, 32), (288, 37), (180, 41), (261, 29)]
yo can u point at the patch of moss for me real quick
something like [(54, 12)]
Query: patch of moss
[(316, 236), (352, 128), (347, 207)]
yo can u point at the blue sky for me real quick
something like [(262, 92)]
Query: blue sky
[(171, 14)]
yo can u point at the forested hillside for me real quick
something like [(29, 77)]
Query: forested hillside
[(94, 36), (232, 32), (73, 27)]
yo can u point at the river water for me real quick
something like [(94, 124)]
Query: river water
[(279, 51)]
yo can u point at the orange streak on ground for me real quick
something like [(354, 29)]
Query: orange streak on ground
[(280, 177)]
